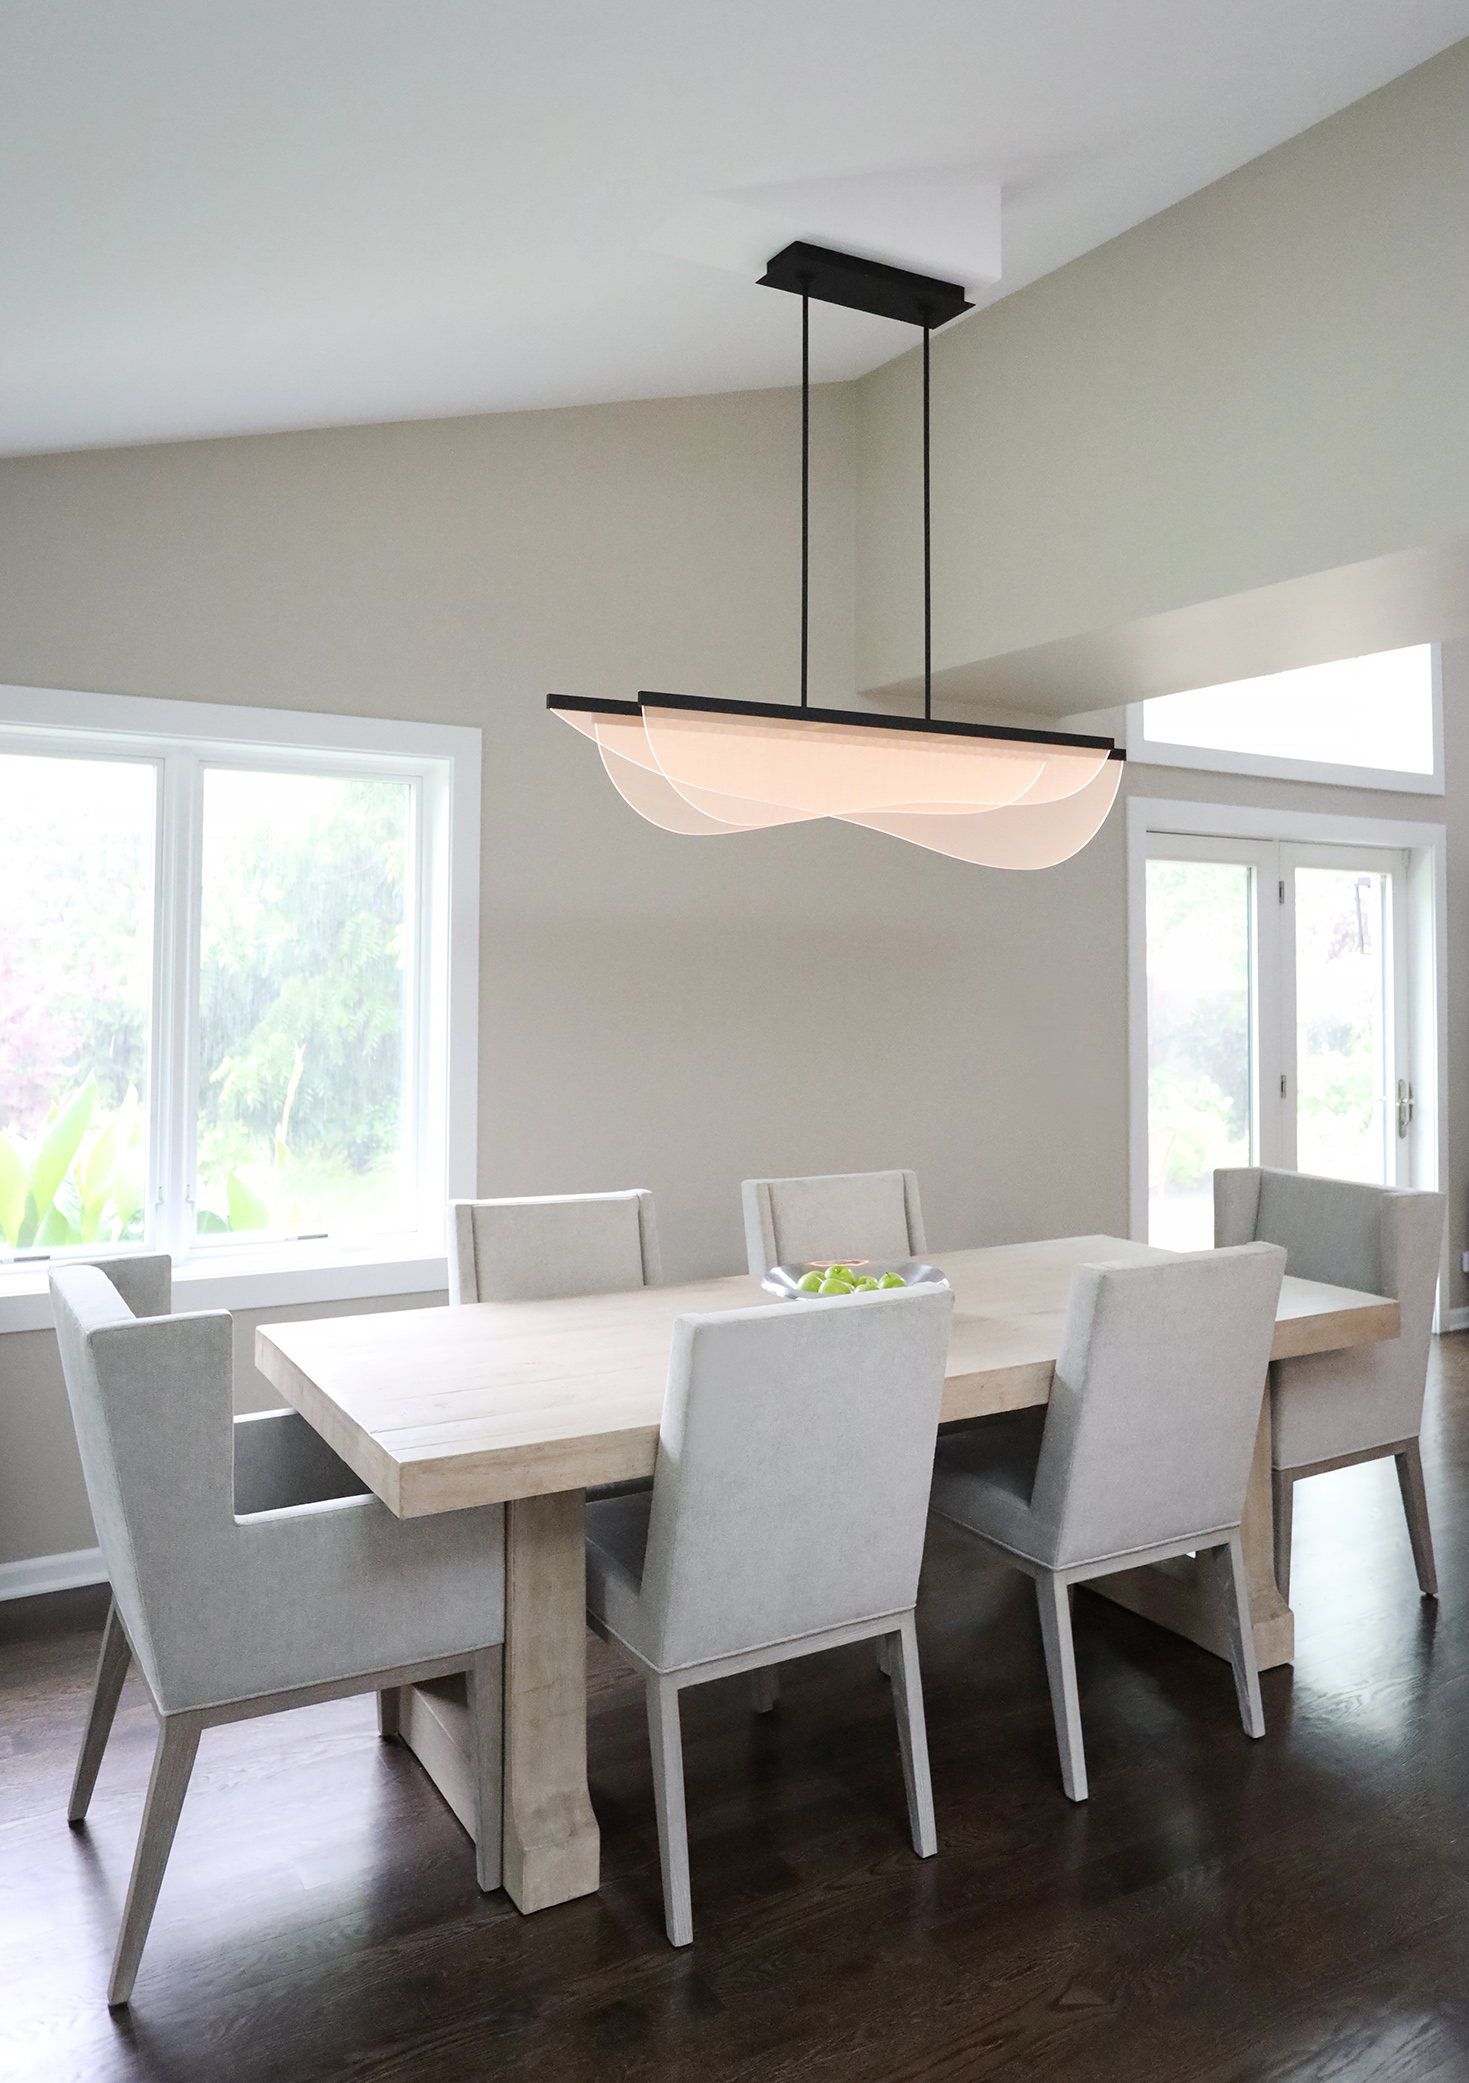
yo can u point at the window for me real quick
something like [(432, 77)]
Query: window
[(1371, 722), (1286, 1008), (230, 1026)]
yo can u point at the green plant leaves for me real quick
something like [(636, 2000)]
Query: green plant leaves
[(247, 1210), (63, 1138), (14, 1187)]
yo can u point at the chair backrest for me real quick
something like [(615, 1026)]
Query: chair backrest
[(1387, 1240), (143, 1279), (1155, 1401), (151, 1402), (794, 1461), (843, 1215), (552, 1244)]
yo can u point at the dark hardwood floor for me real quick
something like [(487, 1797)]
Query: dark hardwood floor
[(1291, 1909)]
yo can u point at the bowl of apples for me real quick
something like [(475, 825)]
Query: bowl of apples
[(858, 1276)]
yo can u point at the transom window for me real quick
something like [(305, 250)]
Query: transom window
[(1369, 722), (226, 1010)]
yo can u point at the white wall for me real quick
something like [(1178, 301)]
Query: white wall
[(1264, 381)]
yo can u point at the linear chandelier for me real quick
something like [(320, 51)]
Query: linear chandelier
[(998, 797)]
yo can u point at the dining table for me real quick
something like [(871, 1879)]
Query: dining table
[(530, 1404)]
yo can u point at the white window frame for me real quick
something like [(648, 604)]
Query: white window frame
[(1422, 1023), (442, 762), (1145, 751)]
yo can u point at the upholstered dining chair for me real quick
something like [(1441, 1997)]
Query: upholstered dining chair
[(1142, 1453), (1330, 1410), (235, 1605), (867, 1215), (544, 1245), (786, 1516)]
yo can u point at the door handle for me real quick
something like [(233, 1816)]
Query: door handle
[(1405, 1106)]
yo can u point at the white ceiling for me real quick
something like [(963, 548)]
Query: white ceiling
[(222, 217)]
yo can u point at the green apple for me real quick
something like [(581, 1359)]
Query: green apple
[(866, 1284), (808, 1283), (829, 1286), (892, 1280)]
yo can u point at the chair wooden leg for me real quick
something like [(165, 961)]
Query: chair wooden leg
[(1415, 1509), (1234, 1584), (112, 1668), (1282, 1511), (487, 1728), (673, 1828), (912, 1735), (390, 1713), (1055, 1608), (173, 1761), (764, 1688)]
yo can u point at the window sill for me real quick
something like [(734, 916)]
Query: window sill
[(253, 1280)]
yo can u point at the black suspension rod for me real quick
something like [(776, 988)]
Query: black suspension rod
[(805, 485), (927, 552)]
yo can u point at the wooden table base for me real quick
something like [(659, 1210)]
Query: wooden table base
[(553, 1848), (1181, 1594)]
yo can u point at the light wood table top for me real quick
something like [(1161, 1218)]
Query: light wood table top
[(438, 1409)]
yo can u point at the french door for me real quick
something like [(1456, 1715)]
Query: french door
[(1277, 1018)]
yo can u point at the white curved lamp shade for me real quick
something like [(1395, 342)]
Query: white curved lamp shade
[(1025, 836), (661, 804), (1052, 799), (833, 769)]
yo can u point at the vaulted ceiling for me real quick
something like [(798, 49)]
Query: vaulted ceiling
[(219, 218)]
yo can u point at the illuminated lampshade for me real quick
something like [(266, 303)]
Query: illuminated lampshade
[(1023, 835), (997, 798)]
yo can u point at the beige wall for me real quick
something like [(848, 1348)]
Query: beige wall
[(1264, 381)]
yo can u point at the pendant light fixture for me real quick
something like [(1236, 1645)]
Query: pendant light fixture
[(998, 797)]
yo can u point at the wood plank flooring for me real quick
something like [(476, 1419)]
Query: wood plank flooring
[(1221, 1910)]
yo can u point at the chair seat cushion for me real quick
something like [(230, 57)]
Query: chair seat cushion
[(617, 1540), (983, 1475)]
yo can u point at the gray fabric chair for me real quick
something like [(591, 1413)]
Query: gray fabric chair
[(243, 1582), (1143, 1451), (786, 1516), (143, 1279), (534, 1249), (844, 1215), (531, 1249), (1329, 1410)]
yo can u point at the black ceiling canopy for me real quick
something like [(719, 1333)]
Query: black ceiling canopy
[(865, 285)]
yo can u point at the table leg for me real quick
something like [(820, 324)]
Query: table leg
[(1180, 1595), (552, 1844)]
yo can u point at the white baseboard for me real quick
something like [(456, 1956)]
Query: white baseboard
[(41, 1573), (1459, 1319)]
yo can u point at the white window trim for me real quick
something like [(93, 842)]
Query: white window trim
[(445, 759), (1150, 817), (1145, 751)]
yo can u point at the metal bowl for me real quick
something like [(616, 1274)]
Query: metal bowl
[(781, 1280)]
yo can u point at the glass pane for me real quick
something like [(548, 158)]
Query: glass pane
[(1359, 712), (303, 1122), (1343, 1023), (1199, 1070), (77, 841)]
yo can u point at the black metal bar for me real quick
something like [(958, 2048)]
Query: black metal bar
[(805, 486), (927, 551), (715, 705)]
